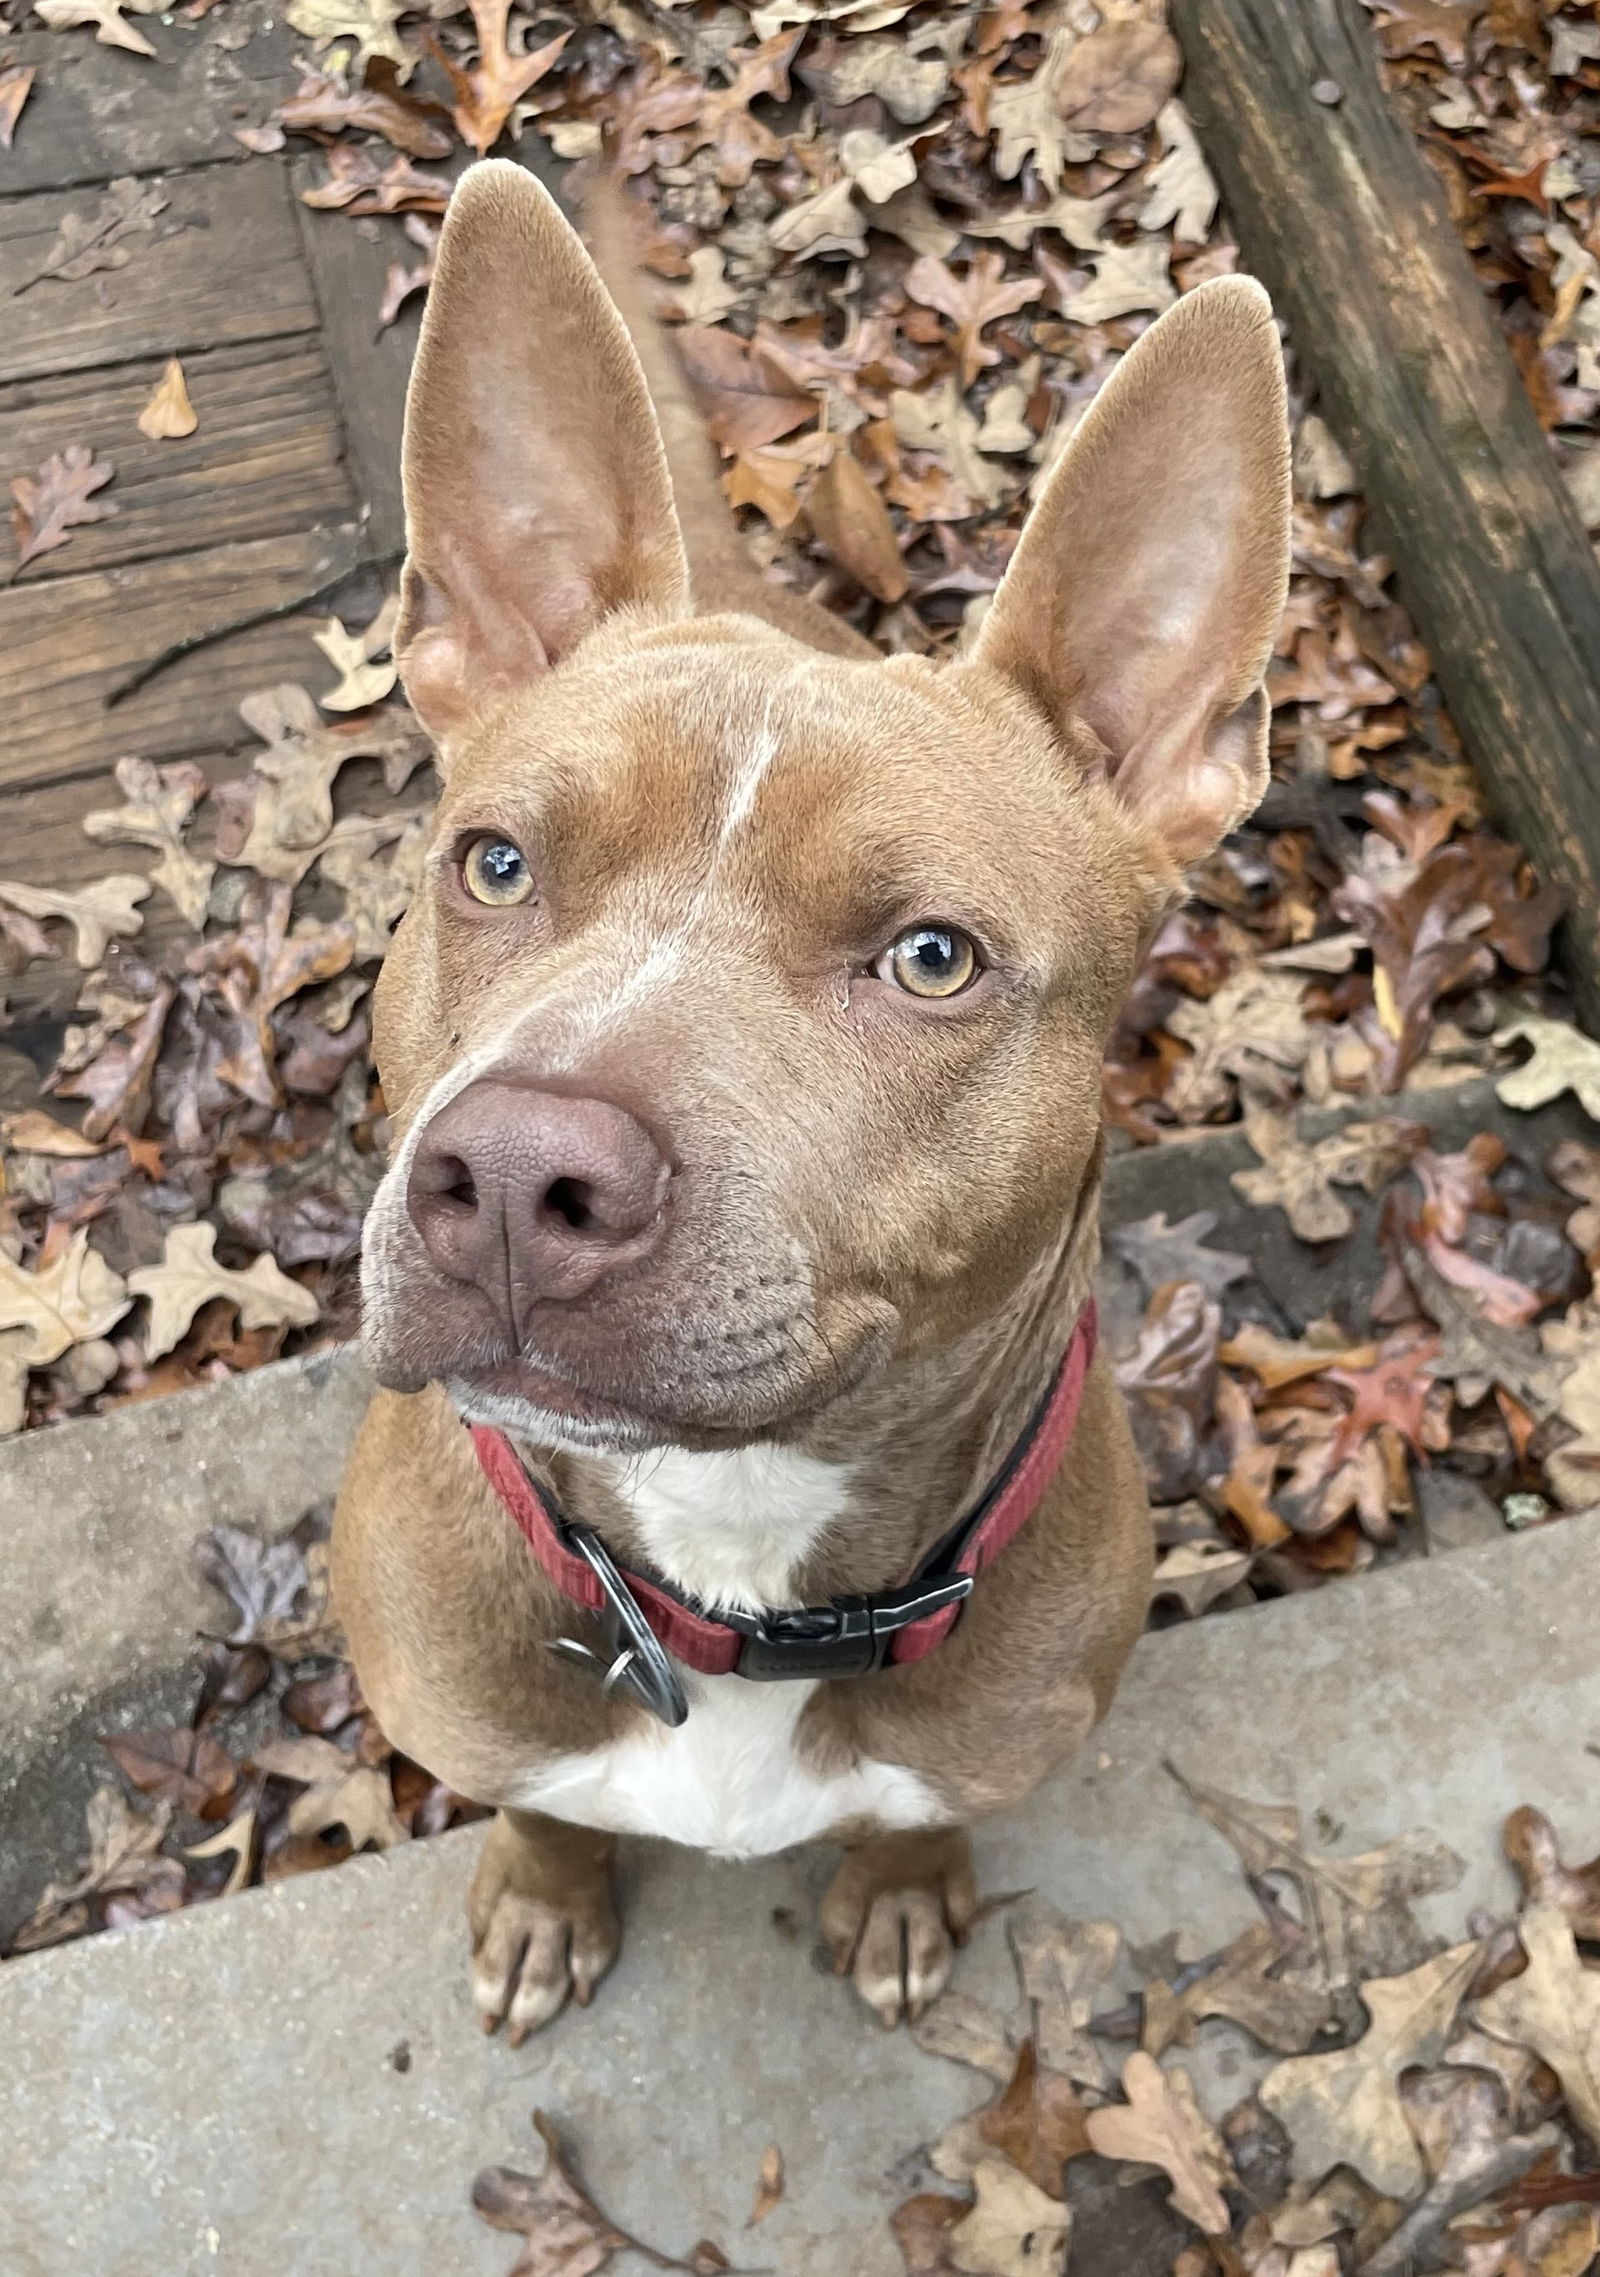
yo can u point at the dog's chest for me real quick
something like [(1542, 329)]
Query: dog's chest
[(733, 1529)]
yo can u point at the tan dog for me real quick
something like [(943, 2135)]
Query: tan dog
[(743, 1045)]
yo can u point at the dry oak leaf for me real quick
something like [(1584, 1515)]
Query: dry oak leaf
[(1062, 1966), (1037, 2121), (108, 906), (1254, 1027), (1279, 1360), (1471, 2155), (769, 2185), (939, 421), (189, 1276), (1198, 1573), (487, 93), (1015, 2229), (1564, 1059), (1532, 1846), (1127, 280), (236, 1840), (279, 817), (1283, 2012), (746, 399), (278, 1590), (14, 1344), (1181, 194), (363, 680), (45, 512), (187, 1769), (376, 895), (399, 282), (566, 2234), (979, 298), (1159, 1251), (161, 803), (356, 184), (1081, 221), (112, 28), (828, 222), (323, 104), (124, 1854), (852, 524), (339, 1791), (1554, 2009), (86, 242), (910, 87), (16, 82), (1162, 2125), (968, 2031), (1026, 121), (1357, 1910), (69, 1302), (1117, 79), (708, 296), (169, 414), (370, 23), (1344, 2108), (1477, 1351)]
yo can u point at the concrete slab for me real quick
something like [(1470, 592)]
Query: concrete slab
[(99, 1603), (218, 2091)]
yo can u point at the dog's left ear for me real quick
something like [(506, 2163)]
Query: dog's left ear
[(536, 487), (1144, 594)]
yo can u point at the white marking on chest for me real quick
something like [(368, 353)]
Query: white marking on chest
[(731, 1528), (728, 1780)]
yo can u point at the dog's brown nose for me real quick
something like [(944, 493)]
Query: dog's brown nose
[(530, 1196)]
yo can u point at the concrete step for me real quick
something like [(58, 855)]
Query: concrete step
[(99, 1606), (221, 2090)]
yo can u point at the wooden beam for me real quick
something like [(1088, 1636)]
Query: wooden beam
[(1344, 221)]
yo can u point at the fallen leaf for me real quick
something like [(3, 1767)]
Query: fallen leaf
[(160, 805), (107, 907), (363, 680), (86, 242), (1062, 1966), (911, 87), (1170, 1381), (1554, 2009), (323, 104), (1280, 1360), (1080, 221), (187, 1769), (1470, 2154), (369, 23), (376, 895), (1037, 2121), (46, 511), (769, 2185), (1563, 1059), (940, 421), (746, 399), (1180, 191), (1533, 1849), (69, 1302), (979, 298), (14, 1346), (1253, 1029), (356, 183), (968, 2032), (279, 817), (189, 1277), (124, 1854), (116, 1077), (1198, 1573), (922, 2226), (1344, 2108), (1245, 1983), (708, 296), (1127, 280), (565, 2232), (277, 1590), (1299, 1179), (339, 1791), (487, 93), (1118, 78), (1161, 2124), (830, 221), (1014, 2229), (851, 522), (33, 1132), (1476, 1351), (400, 282), (169, 414), (112, 28), (1356, 1911), (1026, 119), (1161, 1252), (236, 1840), (16, 82)]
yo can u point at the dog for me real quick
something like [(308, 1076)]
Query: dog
[(743, 1471)]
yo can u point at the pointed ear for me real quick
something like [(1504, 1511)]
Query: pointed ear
[(1143, 597), (536, 488)]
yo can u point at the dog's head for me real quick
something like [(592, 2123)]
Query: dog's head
[(743, 1041)]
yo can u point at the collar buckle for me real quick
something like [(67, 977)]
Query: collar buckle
[(849, 1637)]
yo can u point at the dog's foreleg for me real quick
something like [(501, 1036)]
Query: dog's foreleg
[(894, 1914), (542, 1917)]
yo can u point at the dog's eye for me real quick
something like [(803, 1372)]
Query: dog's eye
[(495, 871), (930, 960)]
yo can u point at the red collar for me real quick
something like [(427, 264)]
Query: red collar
[(850, 1636)]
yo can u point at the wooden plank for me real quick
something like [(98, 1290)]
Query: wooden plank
[(266, 457), (223, 263), (1346, 223), (97, 111), (66, 643), (349, 261)]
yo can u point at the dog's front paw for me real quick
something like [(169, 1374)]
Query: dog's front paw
[(542, 1919), (893, 1916)]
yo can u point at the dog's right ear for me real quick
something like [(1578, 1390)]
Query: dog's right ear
[(536, 487)]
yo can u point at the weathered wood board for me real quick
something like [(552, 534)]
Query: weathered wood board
[(267, 456)]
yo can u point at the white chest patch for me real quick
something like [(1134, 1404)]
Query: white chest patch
[(733, 1530), (728, 1780)]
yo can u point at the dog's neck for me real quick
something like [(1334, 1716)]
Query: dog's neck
[(855, 1503)]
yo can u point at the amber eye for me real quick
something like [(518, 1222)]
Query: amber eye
[(495, 871), (930, 960)]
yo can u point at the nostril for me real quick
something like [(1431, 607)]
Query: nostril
[(450, 1180), (569, 1199)]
